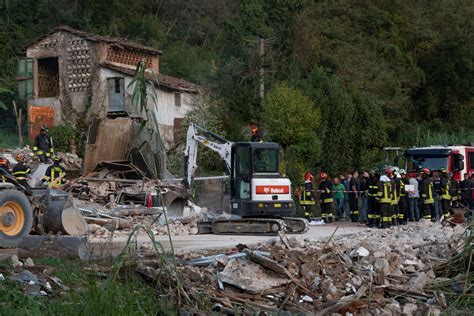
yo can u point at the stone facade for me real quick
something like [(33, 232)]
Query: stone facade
[(78, 76)]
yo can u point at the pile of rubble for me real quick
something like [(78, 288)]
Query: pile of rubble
[(34, 280), (70, 162), (379, 272), (113, 206)]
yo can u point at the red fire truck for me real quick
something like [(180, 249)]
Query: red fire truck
[(457, 159)]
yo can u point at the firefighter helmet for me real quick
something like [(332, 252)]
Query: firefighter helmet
[(56, 158), (20, 157), (3, 161), (323, 175), (308, 176), (388, 171), (402, 171), (426, 171), (443, 170)]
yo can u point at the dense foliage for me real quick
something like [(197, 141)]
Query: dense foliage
[(371, 73)]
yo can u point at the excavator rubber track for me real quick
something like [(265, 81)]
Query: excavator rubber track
[(296, 225), (248, 226)]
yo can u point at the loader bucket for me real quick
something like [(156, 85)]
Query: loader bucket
[(60, 215)]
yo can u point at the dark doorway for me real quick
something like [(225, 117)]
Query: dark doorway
[(48, 77)]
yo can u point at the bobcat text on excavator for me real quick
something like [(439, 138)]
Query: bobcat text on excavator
[(261, 202)]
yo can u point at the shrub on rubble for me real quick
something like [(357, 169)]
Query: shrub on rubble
[(63, 136)]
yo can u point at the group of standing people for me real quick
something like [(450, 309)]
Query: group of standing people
[(387, 197)]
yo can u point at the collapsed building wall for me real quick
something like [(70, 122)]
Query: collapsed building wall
[(70, 76), (73, 77)]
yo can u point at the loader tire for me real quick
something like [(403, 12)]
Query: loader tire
[(16, 218)]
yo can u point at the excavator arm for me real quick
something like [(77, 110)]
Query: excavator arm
[(198, 135)]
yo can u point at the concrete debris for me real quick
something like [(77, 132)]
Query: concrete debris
[(359, 252), (29, 263), (306, 299), (388, 268), (70, 162), (250, 276), (37, 284), (16, 263), (382, 265)]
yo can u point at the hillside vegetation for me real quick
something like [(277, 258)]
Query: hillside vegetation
[(355, 75)]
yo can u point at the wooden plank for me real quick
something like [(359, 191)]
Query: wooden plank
[(111, 180), (7, 253)]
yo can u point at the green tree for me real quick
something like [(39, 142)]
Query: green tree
[(337, 125), (352, 126), (292, 120)]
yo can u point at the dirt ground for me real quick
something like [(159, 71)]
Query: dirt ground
[(186, 243)]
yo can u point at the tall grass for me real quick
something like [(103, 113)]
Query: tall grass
[(89, 294), (8, 140)]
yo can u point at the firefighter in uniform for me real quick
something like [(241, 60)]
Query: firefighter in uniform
[(403, 201), (4, 167), (55, 174), (43, 146), (354, 197), (256, 134), (384, 195), (21, 171), (445, 192), (427, 195), (395, 194), (455, 191), (326, 199), (307, 199), (372, 204)]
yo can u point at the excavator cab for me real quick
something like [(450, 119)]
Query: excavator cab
[(257, 188), (260, 196)]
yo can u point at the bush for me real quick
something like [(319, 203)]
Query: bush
[(62, 136)]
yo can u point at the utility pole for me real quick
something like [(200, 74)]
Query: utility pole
[(261, 71)]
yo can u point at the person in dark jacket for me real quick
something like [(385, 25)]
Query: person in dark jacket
[(427, 195), (326, 199), (307, 200), (21, 171), (363, 188), (465, 186), (354, 197), (471, 201), (372, 204), (437, 195), (55, 174), (445, 192), (384, 197), (43, 146), (395, 197), (4, 165), (403, 201)]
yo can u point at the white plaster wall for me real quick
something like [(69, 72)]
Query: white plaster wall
[(165, 109)]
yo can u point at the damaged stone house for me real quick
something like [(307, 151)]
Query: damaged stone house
[(70, 76)]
